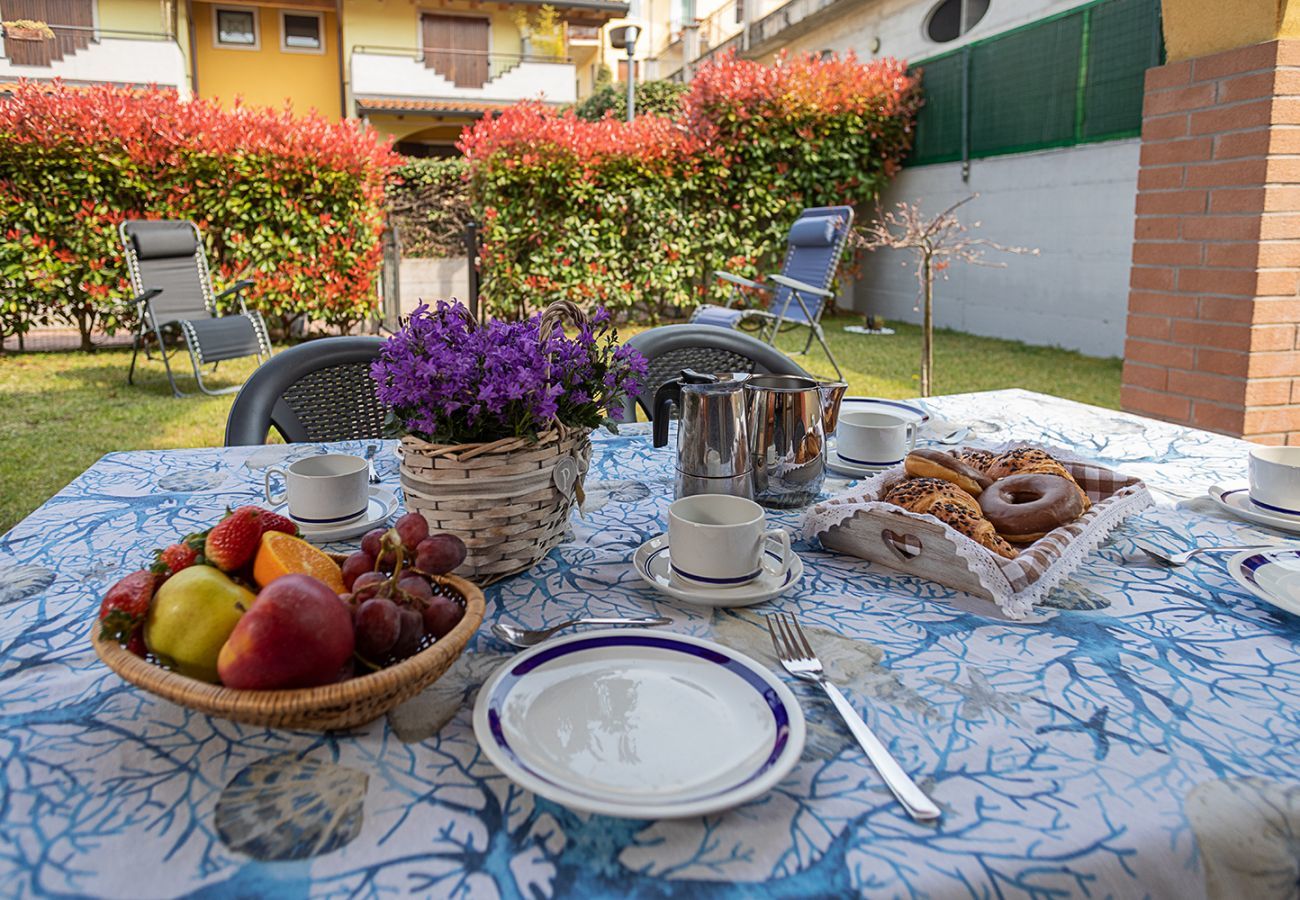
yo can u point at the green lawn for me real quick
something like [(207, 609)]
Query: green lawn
[(62, 411)]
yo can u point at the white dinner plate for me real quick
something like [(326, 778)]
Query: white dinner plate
[(639, 724), (654, 564), (1236, 500), (383, 503), (1271, 575)]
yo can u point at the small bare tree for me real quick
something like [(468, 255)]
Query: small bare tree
[(937, 243)]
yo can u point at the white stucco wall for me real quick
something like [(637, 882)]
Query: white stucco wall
[(428, 280), (1075, 205)]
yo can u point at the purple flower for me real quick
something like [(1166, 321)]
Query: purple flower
[(449, 380)]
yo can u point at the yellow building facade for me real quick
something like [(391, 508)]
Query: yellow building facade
[(418, 70)]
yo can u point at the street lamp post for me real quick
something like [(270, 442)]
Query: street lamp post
[(625, 37)]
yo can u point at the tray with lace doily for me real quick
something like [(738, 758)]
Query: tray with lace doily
[(861, 524)]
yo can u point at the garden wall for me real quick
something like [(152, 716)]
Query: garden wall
[(1075, 205)]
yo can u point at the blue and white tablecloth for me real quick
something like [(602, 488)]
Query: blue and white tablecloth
[(1143, 741)]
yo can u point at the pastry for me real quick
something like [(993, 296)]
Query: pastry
[(937, 464), (919, 494), (1032, 461), (974, 526), (979, 460), (1023, 508)]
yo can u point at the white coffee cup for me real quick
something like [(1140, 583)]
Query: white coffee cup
[(718, 540), (1275, 479), (326, 490), (874, 438)]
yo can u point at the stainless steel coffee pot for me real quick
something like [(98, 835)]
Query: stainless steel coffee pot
[(790, 418), (712, 435)]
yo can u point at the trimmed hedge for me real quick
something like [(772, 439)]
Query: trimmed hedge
[(294, 203), (638, 215), (662, 98)]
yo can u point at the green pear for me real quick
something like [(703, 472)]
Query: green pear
[(191, 617)]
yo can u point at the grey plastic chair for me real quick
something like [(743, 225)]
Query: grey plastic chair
[(814, 247), (173, 298), (317, 391), (705, 348)]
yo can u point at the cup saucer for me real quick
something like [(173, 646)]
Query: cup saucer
[(382, 505), (841, 466), (1237, 500), (653, 564)]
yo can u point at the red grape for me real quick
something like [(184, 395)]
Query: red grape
[(412, 632), (371, 542), (439, 554), (417, 586), (411, 528), (367, 584), (441, 616), (357, 564), (378, 626)]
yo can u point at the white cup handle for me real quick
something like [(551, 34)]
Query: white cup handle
[(270, 494), (783, 538), (911, 436)]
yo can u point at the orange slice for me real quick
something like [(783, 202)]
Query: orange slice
[(282, 554)]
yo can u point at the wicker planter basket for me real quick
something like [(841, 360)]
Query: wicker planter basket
[(508, 500), (334, 706)]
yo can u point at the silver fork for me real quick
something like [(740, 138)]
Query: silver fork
[(371, 450), (799, 660), (1181, 559)]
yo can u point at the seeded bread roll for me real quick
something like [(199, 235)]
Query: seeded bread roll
[(919, 494), (1032, 461), (974, 526)]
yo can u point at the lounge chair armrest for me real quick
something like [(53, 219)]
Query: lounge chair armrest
[(741, 281), (146, 296), (242, 284), (801, 287)]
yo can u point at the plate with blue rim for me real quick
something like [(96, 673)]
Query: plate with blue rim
[(1271, 575), (907, 409), (639, 724)]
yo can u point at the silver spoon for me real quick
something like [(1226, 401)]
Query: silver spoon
[(957, 435), (523, 637), (1181, 559)]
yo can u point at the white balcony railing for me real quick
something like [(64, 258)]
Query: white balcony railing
[(97, 55), (460, 75)]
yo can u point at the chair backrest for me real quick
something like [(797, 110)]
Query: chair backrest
[(317, 391), (169, 255), (705, 348), (814, 245)]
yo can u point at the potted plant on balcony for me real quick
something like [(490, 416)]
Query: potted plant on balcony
[(494, 421), (27, 30)]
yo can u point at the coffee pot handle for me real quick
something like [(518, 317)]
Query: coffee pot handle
[(670, 392)]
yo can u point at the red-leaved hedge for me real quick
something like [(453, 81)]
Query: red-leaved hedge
[(294, 203), (638, 215)]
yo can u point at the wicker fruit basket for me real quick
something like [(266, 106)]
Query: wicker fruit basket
[(346, 704), (509, 500)]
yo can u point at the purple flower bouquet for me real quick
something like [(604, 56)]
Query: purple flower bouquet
[(448, 380)]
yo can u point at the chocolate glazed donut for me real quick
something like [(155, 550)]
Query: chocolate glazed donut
[(937, 464), (1023, 508)]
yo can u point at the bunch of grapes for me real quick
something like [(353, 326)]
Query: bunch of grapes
[(391, 583)]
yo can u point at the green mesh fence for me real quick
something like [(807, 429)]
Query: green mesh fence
[(939, 126), (1069, 79)]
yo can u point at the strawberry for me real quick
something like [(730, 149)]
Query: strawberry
[(136, 643), (125, 605), (233, 541), (276, 522)]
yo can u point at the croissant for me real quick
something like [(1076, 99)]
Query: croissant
[(919, 494), (976, 527), (979, 460)]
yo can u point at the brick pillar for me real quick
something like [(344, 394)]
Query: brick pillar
[(1213, 303)]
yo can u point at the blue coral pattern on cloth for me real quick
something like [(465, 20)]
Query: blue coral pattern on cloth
[(1142, 741)]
